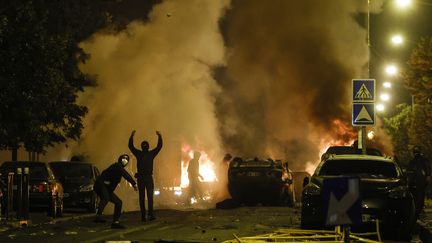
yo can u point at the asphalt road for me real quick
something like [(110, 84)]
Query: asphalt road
[(188, 225), (185, 225)]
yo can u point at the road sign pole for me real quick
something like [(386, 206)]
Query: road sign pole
[(363, 142)]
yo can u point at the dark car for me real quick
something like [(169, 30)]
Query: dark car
[(45, 190), (78, 179), (384, 193), (253, 181)]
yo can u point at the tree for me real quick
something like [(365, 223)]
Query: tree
[(398, 127), (39, 75), (418, 80)]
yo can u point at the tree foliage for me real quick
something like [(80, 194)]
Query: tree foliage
[(39, 75), (398, 127), (418, 79)]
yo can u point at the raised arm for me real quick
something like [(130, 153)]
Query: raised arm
[(159, 143), (131, 143)]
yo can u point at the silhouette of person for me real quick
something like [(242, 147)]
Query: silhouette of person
[(105, 185), (194, 176), (421, 173), (144, 175)]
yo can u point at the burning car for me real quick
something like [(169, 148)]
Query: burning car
[(253, 181)]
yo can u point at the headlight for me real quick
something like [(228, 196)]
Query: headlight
[(156, 192), (86, 188), (398, 192), (312, 190)]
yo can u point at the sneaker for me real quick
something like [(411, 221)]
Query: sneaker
[(151, 217), (117, 226), (99, 220)]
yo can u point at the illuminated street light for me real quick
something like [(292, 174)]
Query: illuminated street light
[(387, 85), (403, 3), (384, 97), (371, 135), (391, 70), (380, 107), (397, 39)]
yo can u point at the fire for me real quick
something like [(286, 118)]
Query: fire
[(344, 135), (207, 166)]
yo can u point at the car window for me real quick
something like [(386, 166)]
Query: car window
[(66, 169), (359, 167)]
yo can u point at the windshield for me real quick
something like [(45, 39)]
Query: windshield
[(359, 167), (74, 170)]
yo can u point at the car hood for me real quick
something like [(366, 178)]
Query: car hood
[(70, 183), (369, 184)]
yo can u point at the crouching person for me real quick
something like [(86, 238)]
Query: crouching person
[(105, 185)]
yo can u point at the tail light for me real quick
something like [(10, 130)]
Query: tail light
[(42, 187)]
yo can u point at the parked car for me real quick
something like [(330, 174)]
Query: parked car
[(45, 190), (384, 193), (78, 179), (253, 181)]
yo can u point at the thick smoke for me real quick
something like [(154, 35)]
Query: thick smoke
[(249, 77), (156, 76), (287, 81)]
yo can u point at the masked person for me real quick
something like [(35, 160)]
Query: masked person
[(421, 172), (105, 185), (144, 175)]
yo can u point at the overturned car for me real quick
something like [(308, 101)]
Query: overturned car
[(254, 181)]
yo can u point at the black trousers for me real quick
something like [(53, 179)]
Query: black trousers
[(145, 185), (106, 195)]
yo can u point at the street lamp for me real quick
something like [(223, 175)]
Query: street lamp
[(380, 107), (391, 70), (397, 40), (384, 97), (402, 3), (387, 85)]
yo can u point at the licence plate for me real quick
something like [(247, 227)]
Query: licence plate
[(254, 173)]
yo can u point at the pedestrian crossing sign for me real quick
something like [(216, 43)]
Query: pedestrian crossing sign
[(363, 90), (363, 114)]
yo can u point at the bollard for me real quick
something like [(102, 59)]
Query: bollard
[(19, 193), (25, 194), (10, 199)]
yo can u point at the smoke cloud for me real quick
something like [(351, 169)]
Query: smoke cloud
[(288, 77), (248, 77)]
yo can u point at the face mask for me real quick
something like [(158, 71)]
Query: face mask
[(124, 161)]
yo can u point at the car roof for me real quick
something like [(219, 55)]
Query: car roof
[(351, 150), (71, 162), (357, 157), (22, 163)]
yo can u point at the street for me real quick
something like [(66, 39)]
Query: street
[(191, 225)]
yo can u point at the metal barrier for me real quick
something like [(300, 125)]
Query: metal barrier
[(338, 235), (22, 195)]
